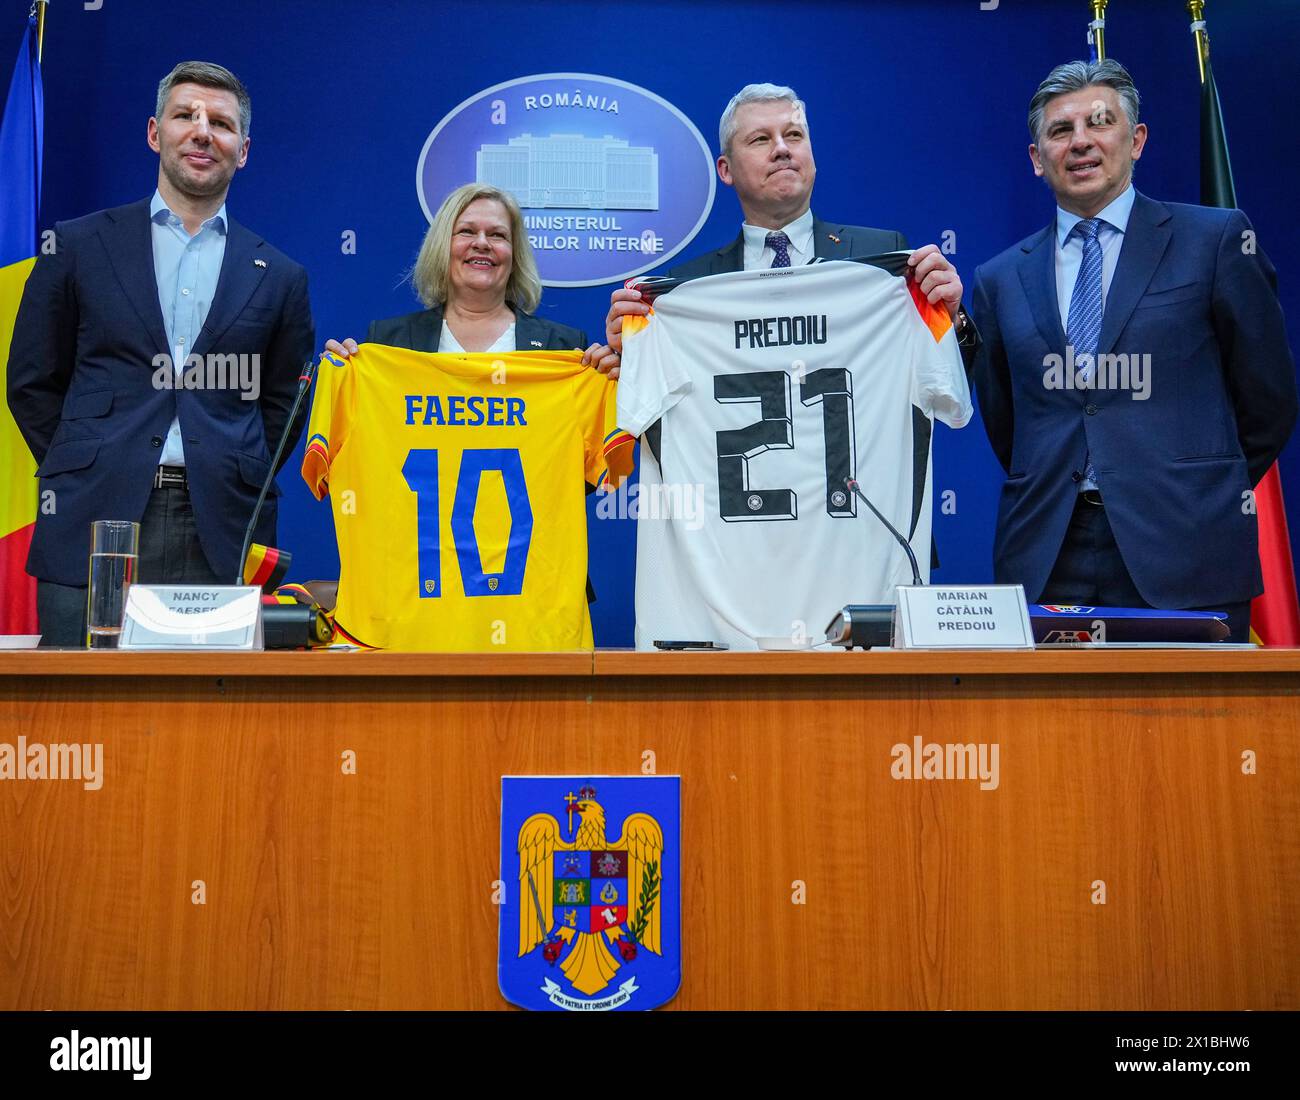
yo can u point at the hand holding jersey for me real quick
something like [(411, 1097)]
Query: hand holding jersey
[(936, 278), (773, 387)]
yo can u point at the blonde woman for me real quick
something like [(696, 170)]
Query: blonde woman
[(478, 281)]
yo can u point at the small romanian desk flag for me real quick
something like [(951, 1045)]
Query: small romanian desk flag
[(21, 130)]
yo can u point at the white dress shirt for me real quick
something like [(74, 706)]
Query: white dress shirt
[(447, 342), (800, 232)]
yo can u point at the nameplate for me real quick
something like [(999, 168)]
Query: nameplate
[(181, 616), (963, 616)]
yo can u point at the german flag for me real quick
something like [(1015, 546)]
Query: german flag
[(266, 566), (1275, 615)]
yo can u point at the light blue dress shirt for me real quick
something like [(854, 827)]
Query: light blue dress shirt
[(1069, 258), (187, 269), (1069, 250)]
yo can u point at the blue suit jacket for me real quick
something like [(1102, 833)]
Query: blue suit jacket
[(1175, 469), (81, 386)]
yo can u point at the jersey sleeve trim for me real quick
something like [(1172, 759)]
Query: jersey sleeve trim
[(617, 450), (316, 466), (936, 317)]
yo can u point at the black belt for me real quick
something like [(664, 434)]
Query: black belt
[(170, 476), (1091, 496)]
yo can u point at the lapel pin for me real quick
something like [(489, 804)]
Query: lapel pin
[(833, 237), (260, 263), (535, 343)]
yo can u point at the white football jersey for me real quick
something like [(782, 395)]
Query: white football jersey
[(763, 392)]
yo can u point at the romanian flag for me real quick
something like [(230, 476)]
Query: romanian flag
[(21, 130), (1274, 616)]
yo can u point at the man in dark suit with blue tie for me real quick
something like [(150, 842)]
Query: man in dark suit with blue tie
[(155, 357), (766, 158), (1135, 379)]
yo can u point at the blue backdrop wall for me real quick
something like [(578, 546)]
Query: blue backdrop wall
[(916, 112)]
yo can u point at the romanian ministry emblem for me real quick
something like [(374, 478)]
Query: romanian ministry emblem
[(613, 180), (591, 919)]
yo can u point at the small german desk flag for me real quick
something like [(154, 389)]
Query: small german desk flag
[(266, 566)]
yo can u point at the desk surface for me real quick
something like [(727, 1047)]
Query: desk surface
[(628, 663), (1167, 776)]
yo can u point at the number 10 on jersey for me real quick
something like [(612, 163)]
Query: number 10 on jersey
[(421, 473)]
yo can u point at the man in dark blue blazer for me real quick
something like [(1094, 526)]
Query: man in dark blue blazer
[(1135, 379), (154, 360), (766, 158)]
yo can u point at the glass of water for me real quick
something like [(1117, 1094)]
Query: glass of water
[(114, 557)]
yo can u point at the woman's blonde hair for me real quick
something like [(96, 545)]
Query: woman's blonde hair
[(431, 275)]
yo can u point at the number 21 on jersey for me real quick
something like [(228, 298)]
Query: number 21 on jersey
[(830, 387)]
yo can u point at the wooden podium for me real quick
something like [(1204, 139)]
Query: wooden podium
[(1165, 782)]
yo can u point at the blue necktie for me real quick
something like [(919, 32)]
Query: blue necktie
[(1083, 322), (779, 243)]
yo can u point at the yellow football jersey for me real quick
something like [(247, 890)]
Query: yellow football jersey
[(457, 485)]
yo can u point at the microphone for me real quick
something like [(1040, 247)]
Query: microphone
[(869, 626), (304, 384), (853, 487)]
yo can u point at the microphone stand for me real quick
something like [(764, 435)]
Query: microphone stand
[(870, 625), (853, 487), (304, 384)]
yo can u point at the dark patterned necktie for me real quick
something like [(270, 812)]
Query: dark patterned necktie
[(779, 243)]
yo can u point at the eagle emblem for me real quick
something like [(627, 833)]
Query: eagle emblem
[(589, 911)]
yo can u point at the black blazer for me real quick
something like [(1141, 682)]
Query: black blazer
[(421, 331), (81, 386)]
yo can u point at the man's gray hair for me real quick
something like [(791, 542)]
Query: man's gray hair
[(754, 93), (1074, 76), (207, 75)]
